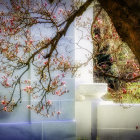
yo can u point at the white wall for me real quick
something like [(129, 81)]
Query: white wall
[(82, 34)]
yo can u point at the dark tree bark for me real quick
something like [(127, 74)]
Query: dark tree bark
[(125, 14)]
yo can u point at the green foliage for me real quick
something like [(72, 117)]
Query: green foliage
[(132, 94), (114, 62)]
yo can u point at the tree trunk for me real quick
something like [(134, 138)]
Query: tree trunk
[(125, 14)]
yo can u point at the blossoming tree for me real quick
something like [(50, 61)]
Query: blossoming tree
[(21, 49)]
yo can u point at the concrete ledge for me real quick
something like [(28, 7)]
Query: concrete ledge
[(91, 91), (113, 115)]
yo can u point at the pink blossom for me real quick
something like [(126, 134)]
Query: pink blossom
[(96, 36), (45, 4), (27, 31), (54, 83), (63, 75), (60, 11), (10, 30), (54, 16), (3, 102), (28, 89), (58, 112), (31, 41), (58, 76), (39, 56), (63, 83), (57, 92), (62, 92), (104, 66), (134, 75), (124, 90), (18, 7), (49, 102), (100, 21), (7, 84), (5, 108), (128, 62), (28, 106), (46, 62), (111, 59), (27, 81)]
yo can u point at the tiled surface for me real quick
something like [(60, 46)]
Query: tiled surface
[(65, 107), (59, 131)]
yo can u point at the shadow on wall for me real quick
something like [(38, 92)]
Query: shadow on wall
[(20, 132), (33, 132), (4, 115), (49, 130)]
